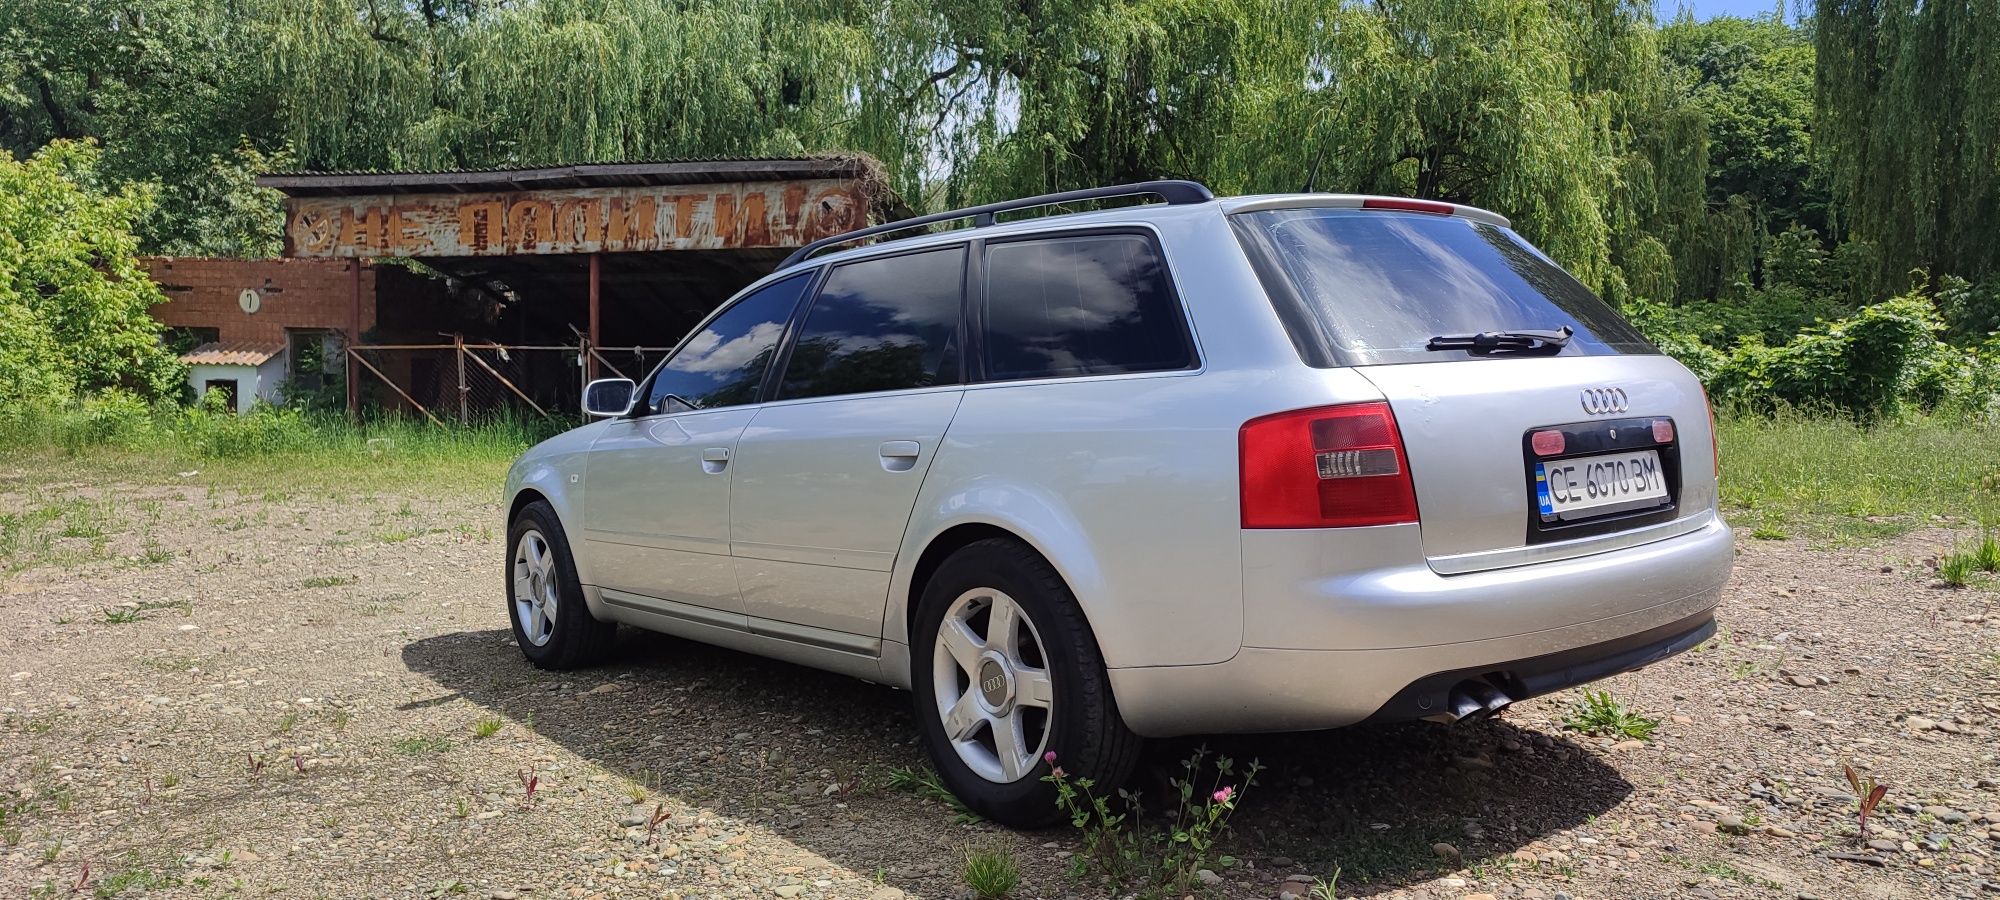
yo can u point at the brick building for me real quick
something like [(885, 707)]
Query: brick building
[(291, 316)]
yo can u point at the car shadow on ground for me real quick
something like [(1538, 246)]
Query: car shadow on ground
[(762, 740)]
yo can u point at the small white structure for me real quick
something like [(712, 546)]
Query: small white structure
[(247, 371)]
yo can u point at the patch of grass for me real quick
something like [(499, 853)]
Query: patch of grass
[(399, 535), (154, 555), (1956, 569), (1833, 481), (287, 722), (170, 663), (418, 746), (386, 604), (924, 783), (1766, 531), (1600, 713), (326, 581), (991, 873), (487, 727), (122, 615), (1963, 565), (278, 454), (1725, 870), (132, 879)]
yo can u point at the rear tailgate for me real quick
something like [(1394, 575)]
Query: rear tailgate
[(1468, 429), (1537, 423)]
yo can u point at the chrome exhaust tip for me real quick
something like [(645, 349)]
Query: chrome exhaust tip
[(1474, 700)]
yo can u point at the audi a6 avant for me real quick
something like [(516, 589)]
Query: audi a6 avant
[(1203, 465)]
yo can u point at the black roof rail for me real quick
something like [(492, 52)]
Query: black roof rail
[(1174, 192)]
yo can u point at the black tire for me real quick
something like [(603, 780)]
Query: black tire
[(577, 639), (1085, 731)]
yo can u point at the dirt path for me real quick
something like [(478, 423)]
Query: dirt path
[(210, 693)]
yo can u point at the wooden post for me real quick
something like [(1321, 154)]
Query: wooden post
[(458, 345), (353, 341), (590, 363)]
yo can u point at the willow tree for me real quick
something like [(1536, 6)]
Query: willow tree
[(1559, 115), (1909, 122)]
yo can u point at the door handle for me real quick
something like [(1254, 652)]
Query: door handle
[(714, 460), (899, 456)]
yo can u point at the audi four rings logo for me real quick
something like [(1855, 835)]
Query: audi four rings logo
[(1598, 401)]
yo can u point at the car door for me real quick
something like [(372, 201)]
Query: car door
[(656, 491), (827, 472)]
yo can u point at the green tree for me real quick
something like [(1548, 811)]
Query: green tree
[(73, 300), (169, 88), (1908, 97)]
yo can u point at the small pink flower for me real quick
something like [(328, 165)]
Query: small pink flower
[(1049, 757), (1058, 772), (1222, 796)]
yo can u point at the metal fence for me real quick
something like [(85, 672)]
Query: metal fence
[(468, 381)]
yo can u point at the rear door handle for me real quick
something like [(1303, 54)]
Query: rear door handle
[(900, 456), (714, 460)]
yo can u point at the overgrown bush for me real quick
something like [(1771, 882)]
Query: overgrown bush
[(1882, 360), (73, 298)]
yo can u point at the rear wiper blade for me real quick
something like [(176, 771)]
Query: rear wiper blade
[(1523, 342)]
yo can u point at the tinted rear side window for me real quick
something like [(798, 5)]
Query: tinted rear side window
[(881, 325), (1367, 287), (1085, 305), (723, 364)]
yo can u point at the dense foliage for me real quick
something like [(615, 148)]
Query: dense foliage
[(73, 299), (1760, 180)]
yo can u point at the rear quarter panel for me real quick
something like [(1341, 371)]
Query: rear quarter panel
[(1128, 483)]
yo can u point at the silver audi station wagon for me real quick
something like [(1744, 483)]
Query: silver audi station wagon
[(1193, 465)]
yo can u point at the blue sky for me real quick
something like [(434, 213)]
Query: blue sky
[(1707, 9)]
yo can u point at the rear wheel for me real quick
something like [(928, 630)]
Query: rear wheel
[(1007, 672), (544, 598)]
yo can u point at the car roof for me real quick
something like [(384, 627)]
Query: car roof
[(1136, 214)]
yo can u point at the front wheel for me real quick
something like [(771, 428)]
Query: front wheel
[(1007, 672), (544, 597)]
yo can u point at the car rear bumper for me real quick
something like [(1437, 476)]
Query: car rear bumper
[(1675, 585)]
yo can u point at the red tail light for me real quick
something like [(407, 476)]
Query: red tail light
[(1714, 437), (1423, 206), (1330, 467)]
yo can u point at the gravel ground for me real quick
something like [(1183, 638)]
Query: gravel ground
[(209, 692)]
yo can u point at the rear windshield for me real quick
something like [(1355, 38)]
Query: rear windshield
[(1366, 287)]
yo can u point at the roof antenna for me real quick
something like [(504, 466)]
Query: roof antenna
[(1312, 174)]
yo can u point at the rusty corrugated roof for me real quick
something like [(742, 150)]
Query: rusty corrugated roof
[(612, 174), (232, 353)]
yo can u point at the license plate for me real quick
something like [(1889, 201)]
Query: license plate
[(1599, 485)]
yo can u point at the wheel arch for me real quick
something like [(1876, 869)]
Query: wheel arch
[(527, 494), (906, 590)]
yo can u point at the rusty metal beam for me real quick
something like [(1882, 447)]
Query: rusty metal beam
[(354, 357), (510, 385), (354, 339), (596, 261)]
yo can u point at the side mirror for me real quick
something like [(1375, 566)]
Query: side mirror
[(609, 397)]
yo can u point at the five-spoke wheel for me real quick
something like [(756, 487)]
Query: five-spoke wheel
[(1013, 674), (992, 685), (551, 622), (535, 598)]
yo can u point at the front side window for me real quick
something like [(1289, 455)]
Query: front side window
[(885, 324), (1084, 305), (723, 364)]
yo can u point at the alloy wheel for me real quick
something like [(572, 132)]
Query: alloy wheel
[(535, 595), (992, 685)]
